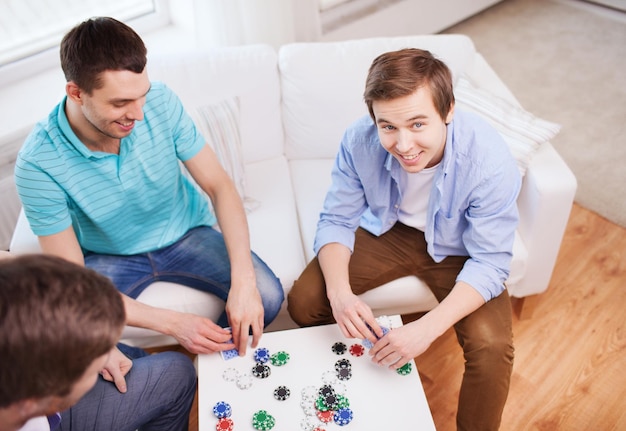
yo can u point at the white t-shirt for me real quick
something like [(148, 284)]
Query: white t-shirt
[(39, 423), (414, 203)]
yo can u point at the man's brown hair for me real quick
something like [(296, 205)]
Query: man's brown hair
[(97, 45), (400, 73), (56, 318)]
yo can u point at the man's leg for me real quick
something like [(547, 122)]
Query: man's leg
[(375, 261), (198, 260), (487, 341), (161, 389)]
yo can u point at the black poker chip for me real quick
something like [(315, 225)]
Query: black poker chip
[(339, 348), (344, 374), (261, 371), (343, 364), (326, 390), (281, 393)]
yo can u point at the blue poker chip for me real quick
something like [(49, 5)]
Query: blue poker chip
[(261, 355), (222, 410), (343, 416)]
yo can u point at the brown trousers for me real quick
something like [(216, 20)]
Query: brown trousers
[(485, 335)]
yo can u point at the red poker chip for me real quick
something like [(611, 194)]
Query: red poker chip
[(357, 350), (225, 424), (326, 416)]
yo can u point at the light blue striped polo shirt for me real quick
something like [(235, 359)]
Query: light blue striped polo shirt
[(123, 204)]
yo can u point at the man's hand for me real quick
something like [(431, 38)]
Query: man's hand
[(402, 344), (353, 315), (116, 367), (245, 312), (200, 335)]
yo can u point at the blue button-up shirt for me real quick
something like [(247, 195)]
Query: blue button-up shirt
[(472, 207)]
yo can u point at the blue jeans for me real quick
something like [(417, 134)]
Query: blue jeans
[(161, 389), (198, 260)]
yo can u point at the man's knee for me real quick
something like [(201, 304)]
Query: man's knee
[(307, 308)]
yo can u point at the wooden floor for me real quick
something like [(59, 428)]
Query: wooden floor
[(570, 360)]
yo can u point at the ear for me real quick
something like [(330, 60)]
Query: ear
[(450, 114), (74, 92)]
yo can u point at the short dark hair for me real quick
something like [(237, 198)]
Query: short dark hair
[(56, 318), (400, 73), (97, 45)]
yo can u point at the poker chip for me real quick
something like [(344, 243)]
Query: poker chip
[(405, 370), (343, 364), (318, 429), (344, 374), (279, 358), (281, 393), (225, 424), (222, 410), (339, 348), (263, 421), (261, 371), (343, 416), (230, 374), (309, 423), (329, 402), (325, 416), (329, 377), (342, 402), (340, 388), (244, 381), (357, 350), (325, 390), (309, 392), (261, 355)]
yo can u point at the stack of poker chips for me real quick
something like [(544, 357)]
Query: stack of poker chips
[(325, 405), (222, 412)]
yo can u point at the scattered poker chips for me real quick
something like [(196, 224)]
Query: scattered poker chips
[(281, 393), (405, 370), (339, 348), (222, 410), (261, 355), (261, 370), (263, 421), (279, 358), (357, 350)]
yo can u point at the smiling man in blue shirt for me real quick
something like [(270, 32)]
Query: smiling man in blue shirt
[(419, 188)]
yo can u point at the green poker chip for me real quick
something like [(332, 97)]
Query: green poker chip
[(263, 421), (279, 358), (405, 369)]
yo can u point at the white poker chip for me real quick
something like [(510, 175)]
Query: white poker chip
[(340, 388), (309, 423), (329, 377), (244, 381), (230, 374), (309, 392)]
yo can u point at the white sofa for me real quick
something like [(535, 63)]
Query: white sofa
[(294, 106)]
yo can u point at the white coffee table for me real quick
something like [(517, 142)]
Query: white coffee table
[(380, 398)]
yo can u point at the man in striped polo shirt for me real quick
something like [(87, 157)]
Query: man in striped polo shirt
[(101, 185)]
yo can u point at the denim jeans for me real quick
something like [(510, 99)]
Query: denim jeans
[(198, 260), (161, 389)]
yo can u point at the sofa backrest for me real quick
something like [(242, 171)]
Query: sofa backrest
[(322, 85), (247, 73)]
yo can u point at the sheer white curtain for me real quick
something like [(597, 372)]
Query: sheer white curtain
[(238, 22)]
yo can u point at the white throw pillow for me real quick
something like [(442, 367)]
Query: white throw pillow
[(521, 130), (219, 125)]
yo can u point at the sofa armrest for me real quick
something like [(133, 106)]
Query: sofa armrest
[(24, 240), (544, 203)]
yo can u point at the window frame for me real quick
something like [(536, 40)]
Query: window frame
[(49, 58)]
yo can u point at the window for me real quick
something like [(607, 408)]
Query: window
[(31, 30), (335, 13)]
